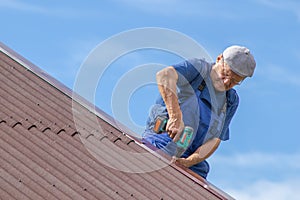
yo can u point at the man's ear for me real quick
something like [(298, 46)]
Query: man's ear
[(219, 58)]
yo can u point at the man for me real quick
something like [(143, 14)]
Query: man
[(199, 94)]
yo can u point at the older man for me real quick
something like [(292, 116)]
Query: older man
[(199, 94)]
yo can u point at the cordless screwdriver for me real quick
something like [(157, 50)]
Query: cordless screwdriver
[(184, 140)]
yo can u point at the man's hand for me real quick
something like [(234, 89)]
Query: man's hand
[(174, 128), (183, 161)]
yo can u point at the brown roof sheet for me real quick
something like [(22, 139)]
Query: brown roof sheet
[(44, 154)]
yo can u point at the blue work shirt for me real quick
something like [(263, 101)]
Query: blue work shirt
[(200, 109)]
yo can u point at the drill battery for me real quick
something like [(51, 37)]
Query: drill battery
[(185, 138), (160, 124)]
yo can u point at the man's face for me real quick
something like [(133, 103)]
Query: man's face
[(223, 77)]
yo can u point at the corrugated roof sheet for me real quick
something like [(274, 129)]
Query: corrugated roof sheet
[(45, 155)]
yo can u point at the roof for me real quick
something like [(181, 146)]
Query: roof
[(44, 154)]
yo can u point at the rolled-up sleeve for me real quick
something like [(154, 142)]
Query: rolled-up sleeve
[(190, 71)]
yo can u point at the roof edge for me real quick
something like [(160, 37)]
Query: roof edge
[(188, 173)]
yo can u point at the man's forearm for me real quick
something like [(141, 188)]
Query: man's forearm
[(166, 80), (203, 152)]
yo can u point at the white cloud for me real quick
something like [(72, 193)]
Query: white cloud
[(288, 5), (258, 175), (259, 160), (282, 75), (263, 190), (57, 10), (17, 5)]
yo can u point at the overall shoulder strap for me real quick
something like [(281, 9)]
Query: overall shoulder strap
[(202, 85)]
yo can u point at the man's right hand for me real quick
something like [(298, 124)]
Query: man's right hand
[(174, 128)]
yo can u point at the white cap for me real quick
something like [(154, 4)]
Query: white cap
[(240, 60)]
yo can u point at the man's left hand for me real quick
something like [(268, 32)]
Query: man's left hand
[(183, 161)]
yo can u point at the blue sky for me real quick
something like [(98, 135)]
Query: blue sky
[(261, 160)]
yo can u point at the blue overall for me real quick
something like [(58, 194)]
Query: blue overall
[(203, 112)]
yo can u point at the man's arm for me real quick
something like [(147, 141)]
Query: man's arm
[(166, 80), (203, 152)]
